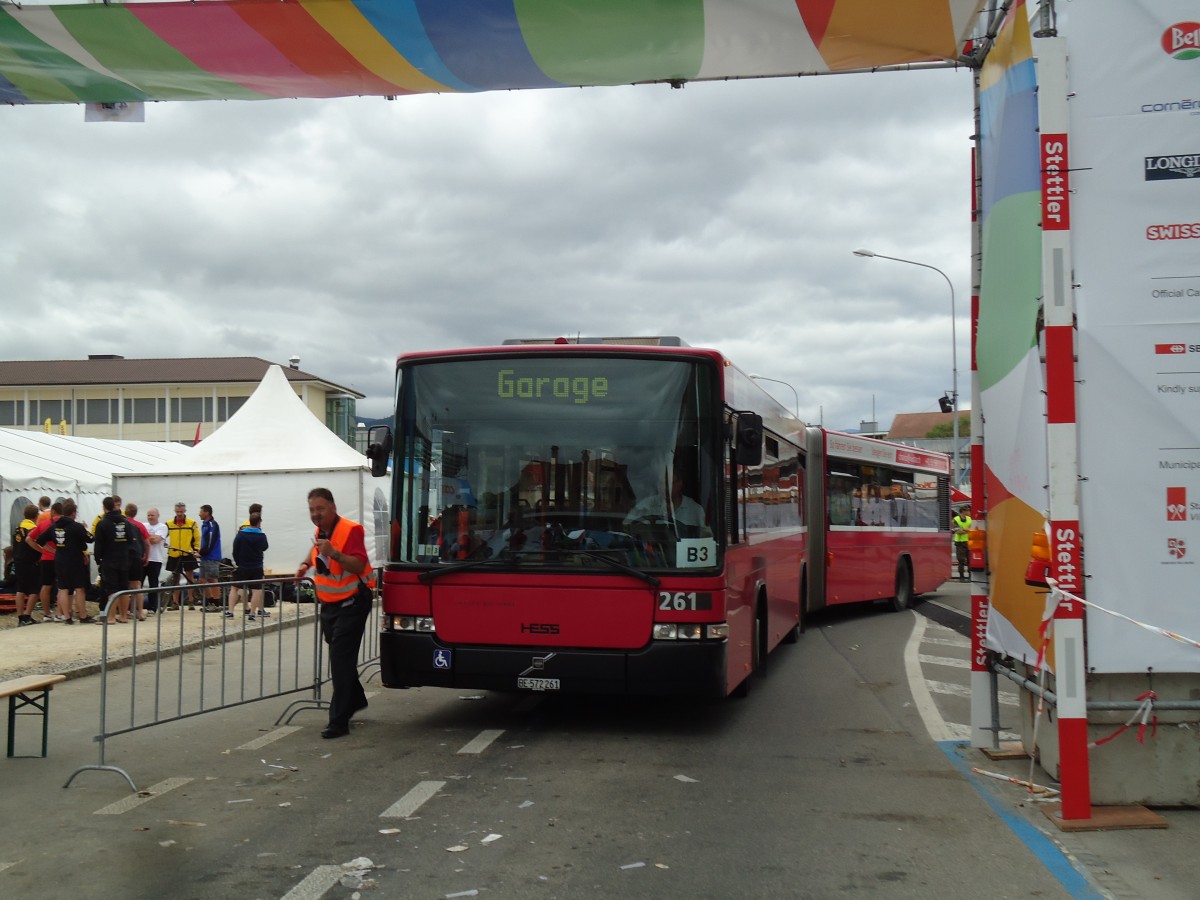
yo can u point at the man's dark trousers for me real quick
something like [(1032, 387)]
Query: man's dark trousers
[(342, 627)]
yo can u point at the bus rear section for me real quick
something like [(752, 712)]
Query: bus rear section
[(561, 523), (886, 512)]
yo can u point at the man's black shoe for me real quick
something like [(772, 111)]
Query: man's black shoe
[(334, 731)]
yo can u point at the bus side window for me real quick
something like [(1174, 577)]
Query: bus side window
[(841, 501)]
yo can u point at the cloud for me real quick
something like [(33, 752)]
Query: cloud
[(350, 231)]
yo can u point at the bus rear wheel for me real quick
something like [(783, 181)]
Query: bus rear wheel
[(902, 599), (793, 634), (762, 637)]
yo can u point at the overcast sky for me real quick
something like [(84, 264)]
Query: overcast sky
[(349, 231)]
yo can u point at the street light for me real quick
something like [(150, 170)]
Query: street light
[(785, 384), (953, 341)]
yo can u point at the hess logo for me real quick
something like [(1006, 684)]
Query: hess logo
[(1182, 40), (539, 628)]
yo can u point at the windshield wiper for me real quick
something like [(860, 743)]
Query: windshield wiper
[(616, 564), (514, 556), (430, 574)]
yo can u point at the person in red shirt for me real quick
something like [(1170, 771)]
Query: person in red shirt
[(45, 519), (345, 582)]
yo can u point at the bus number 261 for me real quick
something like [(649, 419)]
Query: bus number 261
[(678, 601)]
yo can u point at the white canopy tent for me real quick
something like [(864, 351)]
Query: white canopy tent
[(35, 464), (272, 451)]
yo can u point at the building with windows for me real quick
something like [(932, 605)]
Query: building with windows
[(154, 399), (913, 428)]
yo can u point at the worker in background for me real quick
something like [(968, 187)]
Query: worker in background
[(961, 525)]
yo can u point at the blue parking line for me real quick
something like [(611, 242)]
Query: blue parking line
[(1056, 862)]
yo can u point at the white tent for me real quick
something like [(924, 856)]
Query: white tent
[(33, 464), (271, 451)]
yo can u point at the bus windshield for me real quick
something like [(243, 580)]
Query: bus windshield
[(569, 461)]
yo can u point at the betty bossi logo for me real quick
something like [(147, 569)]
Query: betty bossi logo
[(1182, 40)]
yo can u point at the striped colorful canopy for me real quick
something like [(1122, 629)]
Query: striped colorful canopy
[(263, 49)]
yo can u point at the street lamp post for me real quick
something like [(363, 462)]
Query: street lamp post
[(785, 384), (953, 342)]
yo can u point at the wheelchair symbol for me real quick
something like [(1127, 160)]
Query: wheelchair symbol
[(441, 659)]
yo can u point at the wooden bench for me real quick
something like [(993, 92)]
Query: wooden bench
[(31, 690)]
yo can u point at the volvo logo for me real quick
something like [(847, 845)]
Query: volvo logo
[(539, 663)]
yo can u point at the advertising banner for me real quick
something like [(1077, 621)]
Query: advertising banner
[(1011, 378), (1134, 161)]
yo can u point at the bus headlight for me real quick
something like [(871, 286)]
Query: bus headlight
[(689, 631), (412, 623)]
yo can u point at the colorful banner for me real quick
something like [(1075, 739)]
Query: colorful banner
[(1135, 160), (262, 49), (1009, 368)]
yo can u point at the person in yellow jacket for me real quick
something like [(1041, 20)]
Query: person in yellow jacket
[(28, 573), (183, 543), (961, 525), (339, 554)]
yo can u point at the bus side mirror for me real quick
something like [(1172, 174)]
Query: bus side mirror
[(379, 449), (749, 439)]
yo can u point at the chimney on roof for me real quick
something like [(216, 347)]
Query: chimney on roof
[(294, 361), (104, 356)]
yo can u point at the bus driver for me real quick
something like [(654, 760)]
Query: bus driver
[(675, 507)]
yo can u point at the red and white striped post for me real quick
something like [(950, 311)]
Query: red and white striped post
[(1062, 442), (982, 734)]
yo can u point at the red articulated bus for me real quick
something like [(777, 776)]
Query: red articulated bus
[(628, 516)]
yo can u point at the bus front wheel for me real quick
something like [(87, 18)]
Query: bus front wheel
[(758, 655), (902, 599)]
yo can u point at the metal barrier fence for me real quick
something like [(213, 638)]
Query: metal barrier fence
[(185, 660)]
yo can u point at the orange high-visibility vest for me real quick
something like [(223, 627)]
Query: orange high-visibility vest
[(339, 584)]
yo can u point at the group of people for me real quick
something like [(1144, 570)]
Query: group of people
[(51, 548)]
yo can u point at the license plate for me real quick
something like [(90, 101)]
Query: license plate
[(538, 684)]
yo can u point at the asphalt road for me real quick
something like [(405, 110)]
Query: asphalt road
[(823, 783)]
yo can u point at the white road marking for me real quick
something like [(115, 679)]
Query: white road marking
[(962, 690), (955, 641), (944, 661), (315, 883), (270, 737), (135, 800), (481, 743), (413, 800), (4, 865), (963, 733), (922, 700)]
